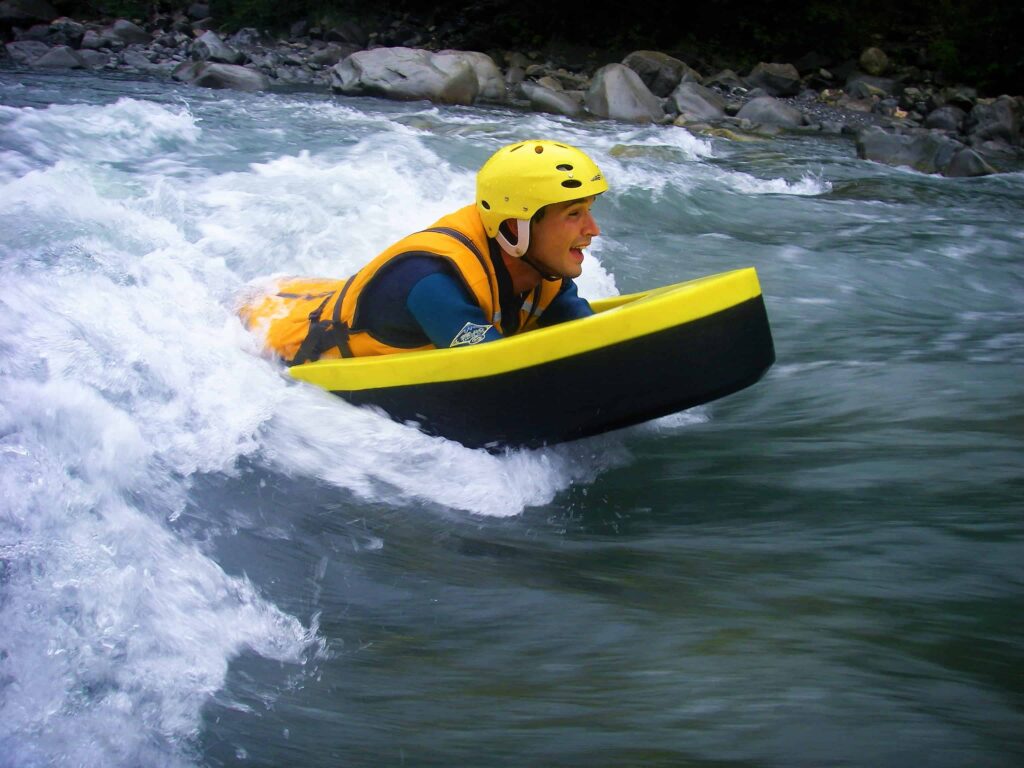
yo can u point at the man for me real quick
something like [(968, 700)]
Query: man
[(502, 266)]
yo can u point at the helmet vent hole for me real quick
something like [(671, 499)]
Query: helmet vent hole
[(563, 167), (572, 183), (485, 204)]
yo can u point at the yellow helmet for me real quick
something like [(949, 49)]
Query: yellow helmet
[(521, 178)]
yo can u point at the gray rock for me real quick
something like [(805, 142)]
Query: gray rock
[(775, 79), (927, 152), (25, 52), (94, 59), (693, 101), (874, 61), (23, 12), (660, 72), (996, 121), (198, 11), (947, 118), (209, 47), (617, 92), (555, 102), (128, 32), (967, 162), (330, 54), (65, 31), (770, 111), (861, 86), (727, 80), (406, 73), (93, 41), (348, 32), (215, 75), (958, 95), (60, 57), (491, 85)]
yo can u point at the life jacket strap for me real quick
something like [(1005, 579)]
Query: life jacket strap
[(324, 334)]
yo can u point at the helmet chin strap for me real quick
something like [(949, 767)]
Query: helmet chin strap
[(522, 240), (520, 247)]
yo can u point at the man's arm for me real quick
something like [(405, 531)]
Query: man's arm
[(567, 305), (447, 315)]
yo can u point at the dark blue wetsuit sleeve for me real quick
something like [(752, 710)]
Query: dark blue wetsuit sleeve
[(445, 312), (567, 305)]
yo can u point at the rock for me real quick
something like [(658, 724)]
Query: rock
[(209, 47), (694, 102), (660, 72), (959, 96), (491, 85), (861, 86), (995, 121), (207, 75), (60, 57), (770, 111), (24, 12), (727, 80), (874, 61), (198, 11), (25, 52), (406, 73), (347, 32), (128, 32), (93, 40), (775, 79), (331, 54), (947, 118), (617, 92), (65, 31), (967, 162), (94, 59), (558, 102), (927, 152)]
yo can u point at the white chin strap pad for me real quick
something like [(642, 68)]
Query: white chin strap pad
[(522, 242)]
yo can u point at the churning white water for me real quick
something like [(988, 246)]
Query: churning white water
[(163, 483)]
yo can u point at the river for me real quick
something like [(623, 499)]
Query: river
[(203, 562)]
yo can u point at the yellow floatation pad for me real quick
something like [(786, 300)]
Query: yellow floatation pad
[(616, 319)]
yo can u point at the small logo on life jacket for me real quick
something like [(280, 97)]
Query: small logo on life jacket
[(471, 333)]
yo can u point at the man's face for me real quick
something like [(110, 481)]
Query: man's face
[(558, 239)]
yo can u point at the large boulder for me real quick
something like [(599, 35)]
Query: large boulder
[(771, 111), (488, 76), (209, 47), (948, 118), (775, 79), (927, 152), (215, 75), (967, 162), (617, 92), (694, 102), (557, 102), (996, 121), (128, 32), (660, 72), (407, 74), (60, 57), (874, 61), (861, 86), (25, 52)]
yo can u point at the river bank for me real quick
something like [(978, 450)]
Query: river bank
[(893, 113)]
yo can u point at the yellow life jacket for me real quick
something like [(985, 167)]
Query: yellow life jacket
[(312, 318)]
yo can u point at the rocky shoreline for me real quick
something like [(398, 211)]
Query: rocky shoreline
[(894, 114)]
